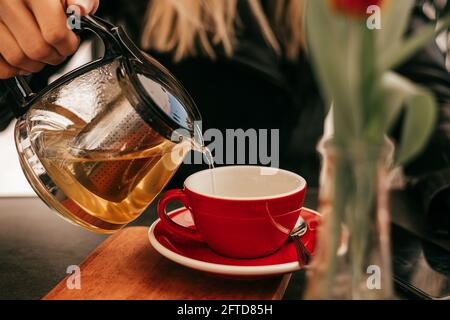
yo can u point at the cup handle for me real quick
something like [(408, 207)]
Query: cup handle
[(178, 195)]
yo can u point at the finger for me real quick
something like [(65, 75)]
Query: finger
[(22, 25), (96, 5), (54, 30), (14, 55), (6, 70), (87, 6)]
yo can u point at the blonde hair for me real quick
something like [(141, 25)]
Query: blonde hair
[(185, 26)]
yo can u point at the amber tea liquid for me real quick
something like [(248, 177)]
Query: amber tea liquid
[(109, 191)]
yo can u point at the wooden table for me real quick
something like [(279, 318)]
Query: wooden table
[(126, 266)]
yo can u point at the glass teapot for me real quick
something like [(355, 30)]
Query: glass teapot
[(101, 142)]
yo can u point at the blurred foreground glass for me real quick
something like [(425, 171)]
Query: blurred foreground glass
[(353, 259)]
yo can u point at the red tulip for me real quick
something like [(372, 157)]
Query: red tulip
[(354, 8)]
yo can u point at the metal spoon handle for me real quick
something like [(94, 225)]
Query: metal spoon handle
[(303, 254)]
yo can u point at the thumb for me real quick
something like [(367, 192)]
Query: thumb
[(86, 6)]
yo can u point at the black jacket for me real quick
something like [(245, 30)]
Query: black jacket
[(257, 89)]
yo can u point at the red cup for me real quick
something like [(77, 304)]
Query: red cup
[(249, 214)]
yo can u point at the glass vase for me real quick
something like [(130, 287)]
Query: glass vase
[(353, 259)]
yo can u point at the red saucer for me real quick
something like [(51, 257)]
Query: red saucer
[(199, 256)]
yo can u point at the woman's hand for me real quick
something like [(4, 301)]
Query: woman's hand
[(34, 33)]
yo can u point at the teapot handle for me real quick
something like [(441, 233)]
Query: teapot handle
[(19, 89)]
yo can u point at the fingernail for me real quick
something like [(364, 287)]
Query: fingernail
[(86, 5), (24, 73)]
